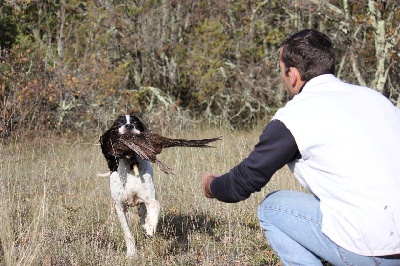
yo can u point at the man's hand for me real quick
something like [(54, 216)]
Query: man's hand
[(206, 185)]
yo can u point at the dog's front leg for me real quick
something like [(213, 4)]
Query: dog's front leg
[(129, 239), (149, 211), (153, 212)]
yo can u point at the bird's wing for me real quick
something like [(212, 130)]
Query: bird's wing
[(145, 152)]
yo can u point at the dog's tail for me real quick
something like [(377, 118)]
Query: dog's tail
[(104, 174)]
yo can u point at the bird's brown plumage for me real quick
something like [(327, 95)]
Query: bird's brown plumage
[(146, 145)]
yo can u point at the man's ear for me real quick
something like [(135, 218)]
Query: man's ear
[(294, 76)]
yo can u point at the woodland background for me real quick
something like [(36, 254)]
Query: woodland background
[(72, 66)]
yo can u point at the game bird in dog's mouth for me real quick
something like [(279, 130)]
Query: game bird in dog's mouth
[(128, 137), (129, 147)]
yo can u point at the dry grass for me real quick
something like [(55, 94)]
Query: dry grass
[(55, 211)]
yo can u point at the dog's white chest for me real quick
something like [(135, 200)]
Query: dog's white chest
[(127, 186)]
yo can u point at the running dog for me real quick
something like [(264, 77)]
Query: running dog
[(129, 148)]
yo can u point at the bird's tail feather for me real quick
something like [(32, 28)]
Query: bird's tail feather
[(164, 167), (198, 143)]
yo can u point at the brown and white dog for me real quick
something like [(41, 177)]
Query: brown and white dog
[(129, 147)]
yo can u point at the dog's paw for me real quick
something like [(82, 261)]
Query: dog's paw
[(131, 253), (150, 230)]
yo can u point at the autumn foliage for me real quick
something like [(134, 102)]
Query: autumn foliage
[(72, 66)]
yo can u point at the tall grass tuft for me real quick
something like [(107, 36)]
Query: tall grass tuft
[(56, 211)]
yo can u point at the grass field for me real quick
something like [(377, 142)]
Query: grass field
[(54, 210)]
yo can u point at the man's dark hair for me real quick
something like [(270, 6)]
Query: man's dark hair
[(311, 52)]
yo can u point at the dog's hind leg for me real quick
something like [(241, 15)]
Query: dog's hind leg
[(149, 211), (129, 239)]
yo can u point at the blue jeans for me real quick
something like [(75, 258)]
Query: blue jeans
[(292, 224)]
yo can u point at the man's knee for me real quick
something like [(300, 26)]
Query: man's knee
[(280, 205), (266, 207)]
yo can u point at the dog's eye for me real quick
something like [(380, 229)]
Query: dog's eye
[(121, 120), (138, 124)]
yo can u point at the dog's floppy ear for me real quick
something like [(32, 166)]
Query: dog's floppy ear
[(138, 124), (107, 151), (121, 120)]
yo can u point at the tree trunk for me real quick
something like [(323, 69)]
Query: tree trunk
[(382, 46), (60, 41)]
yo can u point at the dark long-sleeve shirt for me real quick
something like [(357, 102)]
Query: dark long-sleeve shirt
[(276, 148)]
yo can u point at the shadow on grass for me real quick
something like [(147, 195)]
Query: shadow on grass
[(178, 225), (178, 228)]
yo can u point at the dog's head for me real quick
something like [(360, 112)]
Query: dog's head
[(129, 124)]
